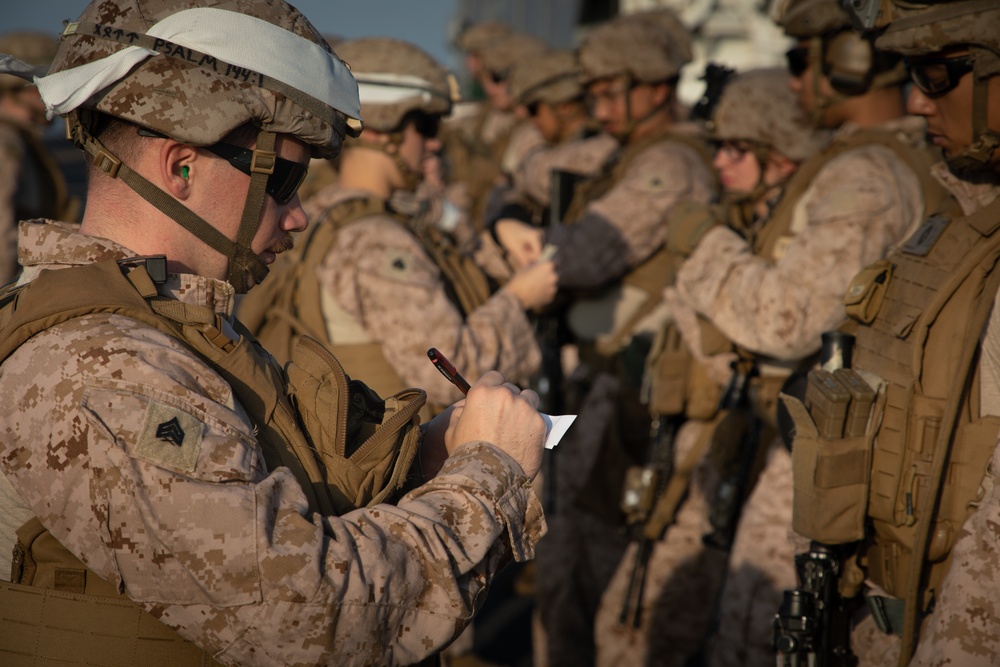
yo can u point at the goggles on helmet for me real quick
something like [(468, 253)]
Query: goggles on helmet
[(936, 76)]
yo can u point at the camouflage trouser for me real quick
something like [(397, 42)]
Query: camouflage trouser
[(873, 647), (761, 568), (682, 581)]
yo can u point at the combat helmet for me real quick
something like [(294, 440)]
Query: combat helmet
[(759, 108), (397, 80), (499, 56), (917, 30), (847, 57), (553, 77), (474, 38), (32, 48), (181, 69), (642, 51)]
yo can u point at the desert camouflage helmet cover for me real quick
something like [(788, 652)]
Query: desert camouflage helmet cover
[(917, 29), (759, 106), (500, 55), (553, 77), (32, 48), (394, 78), (644, 51), (477, 36), (810, 18), (673, 29), (183, 69)]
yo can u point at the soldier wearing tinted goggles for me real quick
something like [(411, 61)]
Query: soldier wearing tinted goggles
[(938, 75)]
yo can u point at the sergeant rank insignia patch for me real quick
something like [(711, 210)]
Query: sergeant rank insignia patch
[(170, 437)]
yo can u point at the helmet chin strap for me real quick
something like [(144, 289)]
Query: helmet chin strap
[(243, 263), (411, 177), (822, 101), (632, 123), (974, 160)]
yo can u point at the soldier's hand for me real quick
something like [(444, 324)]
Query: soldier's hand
[(534, 286), (501, 414), (522, 242)]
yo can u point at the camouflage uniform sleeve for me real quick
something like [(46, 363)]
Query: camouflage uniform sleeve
[(11, 154), (381, 274), (135, 456), (619, 230), (585, 156), (857, 208)]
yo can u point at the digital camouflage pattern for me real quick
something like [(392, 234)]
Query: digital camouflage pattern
[(211, 542), (810, 18), (552, 77), (379, 274), (475, 37), (640, 50), (194, 102), (622, 228), (776, 119), (373, 58), (858, 207), (500, 55)]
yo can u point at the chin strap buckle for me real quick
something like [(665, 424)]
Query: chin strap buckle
[(263, 162)]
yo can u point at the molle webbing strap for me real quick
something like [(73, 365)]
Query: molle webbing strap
[(42, 627), (205, 61), (985, 261), (465, 280)]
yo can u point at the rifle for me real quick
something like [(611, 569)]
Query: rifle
[(813, 625), (643, 485)]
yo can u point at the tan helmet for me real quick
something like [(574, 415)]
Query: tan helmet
[(394, 78), (553, 77), (916, 30), (758, 106), (500, 55), (848, 58), (32, 48), (477, 36), (182, 69), (641, 51), (673, 29)]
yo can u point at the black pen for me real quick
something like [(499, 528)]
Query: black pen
[(447, 370)]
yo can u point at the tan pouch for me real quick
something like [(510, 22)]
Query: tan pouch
[(867, 290), (830, 480), (366, 446)]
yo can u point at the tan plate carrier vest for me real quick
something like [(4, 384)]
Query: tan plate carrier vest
[(301, 416), (659, 269), (680, 385), (906, 488), (288, 304)]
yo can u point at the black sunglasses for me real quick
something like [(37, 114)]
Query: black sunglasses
[(426, 125), (282, 183), (532, 108), (936, 76), (498, 76), (798, 60)]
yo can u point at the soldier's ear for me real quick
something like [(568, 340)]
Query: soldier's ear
[(178, 168)]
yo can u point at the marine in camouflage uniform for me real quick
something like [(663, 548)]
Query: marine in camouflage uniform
[(167, 477), (383, 278), (773, 294), (481, 141), (927, 541), (30, 183), (761, 136), (616, 224)]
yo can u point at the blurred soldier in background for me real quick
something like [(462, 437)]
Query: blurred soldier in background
[(761, 137), (612, 262), (377, 284), (919, 519), (773, 294), (31, 185)]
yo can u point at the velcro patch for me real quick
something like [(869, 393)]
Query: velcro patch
[(170, 437), (398, 264)]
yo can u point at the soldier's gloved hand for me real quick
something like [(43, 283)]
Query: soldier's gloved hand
[(499, 413), (522, 242), (534, 286), (689, 222)]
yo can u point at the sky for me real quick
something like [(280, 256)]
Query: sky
[(423, 22)]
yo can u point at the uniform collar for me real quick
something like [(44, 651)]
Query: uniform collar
[(49, 244)]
